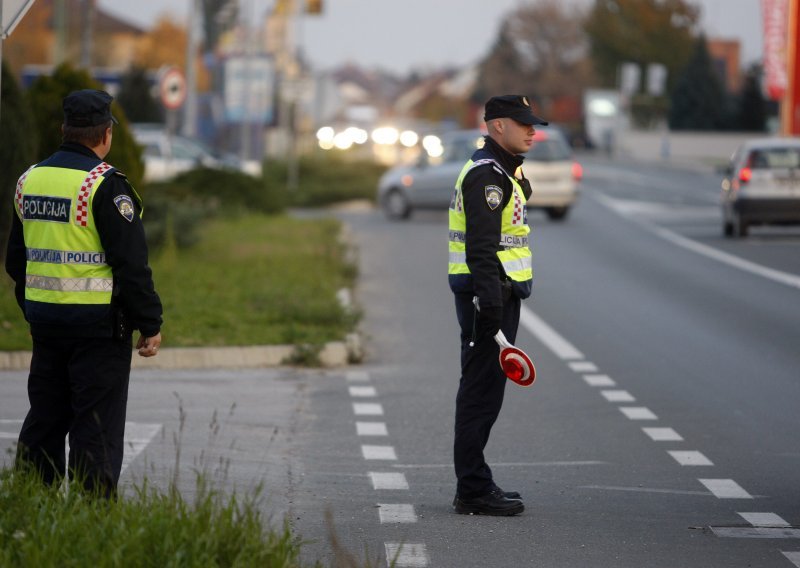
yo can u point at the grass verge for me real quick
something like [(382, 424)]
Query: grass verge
[(42, 526), (251, 280)]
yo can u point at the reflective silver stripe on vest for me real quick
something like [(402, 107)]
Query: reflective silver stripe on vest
[(506, 240), (69, 284), (525, 263), (52, 256), (458, 258)]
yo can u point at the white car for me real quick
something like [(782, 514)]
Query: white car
[(429, 183), (761, 185), (166, 156)]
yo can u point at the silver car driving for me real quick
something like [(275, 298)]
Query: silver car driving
[(428, 183)]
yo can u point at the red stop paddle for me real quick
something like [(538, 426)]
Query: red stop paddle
[(515, 363)]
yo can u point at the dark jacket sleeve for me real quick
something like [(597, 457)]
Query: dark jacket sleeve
[(16, 261), (126, 253), (483, 232)]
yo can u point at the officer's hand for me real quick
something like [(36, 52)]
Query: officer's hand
[(148, 346), (490, 318)]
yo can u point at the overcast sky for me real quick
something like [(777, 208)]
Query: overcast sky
[(401, 35)]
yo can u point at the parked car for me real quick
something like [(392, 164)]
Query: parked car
[(761, 185), (429, 183), (166, 156)]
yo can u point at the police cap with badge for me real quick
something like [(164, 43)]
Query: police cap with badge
[(512, 106), (88, 107)]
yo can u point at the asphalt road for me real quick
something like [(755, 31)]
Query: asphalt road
[(661, 430)]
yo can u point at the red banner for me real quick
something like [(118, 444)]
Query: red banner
[(775, 15)]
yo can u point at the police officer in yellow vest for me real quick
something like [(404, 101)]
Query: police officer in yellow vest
[(489, 260), (78, 257)]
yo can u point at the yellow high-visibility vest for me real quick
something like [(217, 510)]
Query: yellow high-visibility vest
[(66, 263), (513, 251)]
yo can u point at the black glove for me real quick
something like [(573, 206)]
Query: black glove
[(490, 318)]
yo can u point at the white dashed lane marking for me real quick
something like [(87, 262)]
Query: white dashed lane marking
[(396, 513), (583, 367), (599, 381), (371, 429), (691, 458), (794, 557), (357, 376), (663, 434), (638, 413), (617, 396), (364, 392), (764, 520), (379, 453), (406, 555), (388, 480), (725, 489), (367, 409)]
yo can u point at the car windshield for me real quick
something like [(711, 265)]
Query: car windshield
[(550, 149), (775, 158)]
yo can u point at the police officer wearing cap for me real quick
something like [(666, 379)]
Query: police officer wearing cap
[(490, 273), (78, 257)]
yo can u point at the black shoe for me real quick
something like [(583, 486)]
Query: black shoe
[(493, 503), (506, 494)]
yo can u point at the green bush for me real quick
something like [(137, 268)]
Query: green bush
[(18, 145), (45, 97), (176, 208), (326, 179)]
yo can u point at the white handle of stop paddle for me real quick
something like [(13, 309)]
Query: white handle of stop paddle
[(501, 340)]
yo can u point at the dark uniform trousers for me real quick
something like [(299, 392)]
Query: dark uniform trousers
[(93, 375), (480, 395)]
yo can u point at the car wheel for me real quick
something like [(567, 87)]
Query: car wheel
[(396, 206), (556, 213)]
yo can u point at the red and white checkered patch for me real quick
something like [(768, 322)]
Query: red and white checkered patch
[(18, 192), (518, 214), (82, 205)]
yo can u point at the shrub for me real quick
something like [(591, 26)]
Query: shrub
[(17, 149), (326, 179), (45, 98)]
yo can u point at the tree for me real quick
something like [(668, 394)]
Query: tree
[(136, 99), (541, 51), (641, 32), (45, 97), (752, 105), (698, 101), (17, 148)]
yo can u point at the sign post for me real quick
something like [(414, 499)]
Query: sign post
[(11, 12), (172, 91)]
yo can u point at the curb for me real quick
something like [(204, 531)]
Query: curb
[(333, 354)]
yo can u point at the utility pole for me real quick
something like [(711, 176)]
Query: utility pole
[(87, 34), (61, 32), (190, 108)]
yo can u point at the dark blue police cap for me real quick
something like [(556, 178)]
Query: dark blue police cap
[(88, 107), (512, 106)]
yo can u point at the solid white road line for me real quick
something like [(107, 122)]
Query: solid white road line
[(357, 376), (137, 437), (638, 413), (388, 480), (794, 557), (364, 392), (583, 367), (764, 520), (406, 554), (371, 429), (396, 513), (691, 458), (367, 409), (9, 435), (725, 489), (378, 453), (547, 335), (11, 421), (617, 396), (663, 434), (599, 381)]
